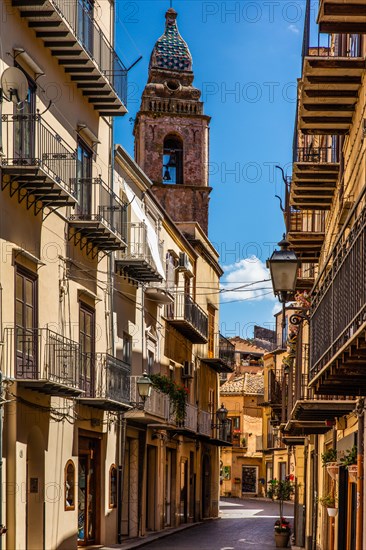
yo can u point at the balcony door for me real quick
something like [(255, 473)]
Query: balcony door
[(24, 127), (25, 323), (83, 179), (86, 24), (86, 341)]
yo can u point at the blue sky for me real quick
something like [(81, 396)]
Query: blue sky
[(246, 59)]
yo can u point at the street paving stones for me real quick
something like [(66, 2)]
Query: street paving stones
[(244, 525)]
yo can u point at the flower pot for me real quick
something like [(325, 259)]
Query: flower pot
[(332, 512), (333, 469), (352, 473), (281, 539)]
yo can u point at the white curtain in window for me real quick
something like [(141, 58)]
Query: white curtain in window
[(152, 237)]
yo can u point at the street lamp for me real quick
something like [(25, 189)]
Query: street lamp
[(221, 415), (144, 386), (283, 266)]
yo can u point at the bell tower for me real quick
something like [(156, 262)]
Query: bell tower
[(172, 133)]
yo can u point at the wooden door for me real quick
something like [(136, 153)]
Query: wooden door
[(89, 493)]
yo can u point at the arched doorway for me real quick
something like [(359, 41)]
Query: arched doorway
[(35, 490), (206, 485)]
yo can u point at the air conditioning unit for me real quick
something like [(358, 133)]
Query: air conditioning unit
[(188, 367), (184, 263)]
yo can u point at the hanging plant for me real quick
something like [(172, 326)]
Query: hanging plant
[(177, 394)]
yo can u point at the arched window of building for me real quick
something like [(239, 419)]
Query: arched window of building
[(70, 485), (173, 160), (113, 486)]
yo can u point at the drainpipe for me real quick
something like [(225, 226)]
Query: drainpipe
[(360, 442)]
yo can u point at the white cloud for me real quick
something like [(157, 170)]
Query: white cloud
[(293, 29), (244, 281)]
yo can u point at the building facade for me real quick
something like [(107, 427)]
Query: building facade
[(325, 226), (242, 473), (62, 84), (102, 280)]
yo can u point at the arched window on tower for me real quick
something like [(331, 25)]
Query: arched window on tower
[(173, 160)]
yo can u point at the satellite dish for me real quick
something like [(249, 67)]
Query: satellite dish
[(14, 85)]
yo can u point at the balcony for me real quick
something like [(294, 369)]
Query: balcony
[(305, 233), (305, 277), (224, 360), (42, 360), (105, 381), (37, 165), (140, 259), (329, 93), (161, 293), (338, 317), (342, 16), (312, 408), (188, 318), (157, 406), (314, 178), (71, 33), (273, 396), (99, 219), (220, 436)]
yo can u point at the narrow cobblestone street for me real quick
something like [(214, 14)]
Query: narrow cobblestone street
[(244, 524)]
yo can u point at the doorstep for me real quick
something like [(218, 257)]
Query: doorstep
[(151, 537)]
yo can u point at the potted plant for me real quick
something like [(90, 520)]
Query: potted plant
[(329, 460), (328, 501), (282, 530), (281, 491), (349, 460)]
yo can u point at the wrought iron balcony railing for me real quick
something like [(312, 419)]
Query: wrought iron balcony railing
[(100, 216), (42, 359), (226, 351), (338, 315), (36, 162), (70, 30), (105, 381), (138, 260), (305, 221), (187, 317), (316, 154)]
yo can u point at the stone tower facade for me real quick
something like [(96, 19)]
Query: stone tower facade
[(171, 131)]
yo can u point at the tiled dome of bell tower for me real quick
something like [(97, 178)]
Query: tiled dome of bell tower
[(171, 51), (172, 132)]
